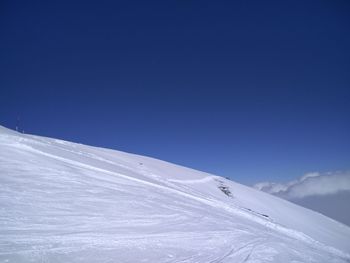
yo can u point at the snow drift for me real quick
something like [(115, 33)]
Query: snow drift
[(67, 202)]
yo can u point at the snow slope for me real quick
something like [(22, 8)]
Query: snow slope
[(67, 202)]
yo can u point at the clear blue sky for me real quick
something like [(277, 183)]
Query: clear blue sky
[(253, 90)]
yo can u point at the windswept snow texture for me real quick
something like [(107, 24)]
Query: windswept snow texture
[(67, 202)]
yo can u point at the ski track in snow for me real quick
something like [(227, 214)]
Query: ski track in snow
[(210, 202), (126, 211)]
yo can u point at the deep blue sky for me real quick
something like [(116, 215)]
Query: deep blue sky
[(253, 90)]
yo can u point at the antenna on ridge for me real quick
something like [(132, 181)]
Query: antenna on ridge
[(17, 122)]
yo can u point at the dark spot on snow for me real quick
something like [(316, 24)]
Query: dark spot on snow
[(260, 214), (225, 190)]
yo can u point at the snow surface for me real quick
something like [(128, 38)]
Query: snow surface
[(67, 202)]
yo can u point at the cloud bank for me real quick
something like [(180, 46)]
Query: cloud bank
[(311, 184)]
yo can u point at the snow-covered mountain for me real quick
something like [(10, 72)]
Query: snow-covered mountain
[(67, 202)]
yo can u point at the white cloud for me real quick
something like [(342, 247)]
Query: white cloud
[(311, 184)]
